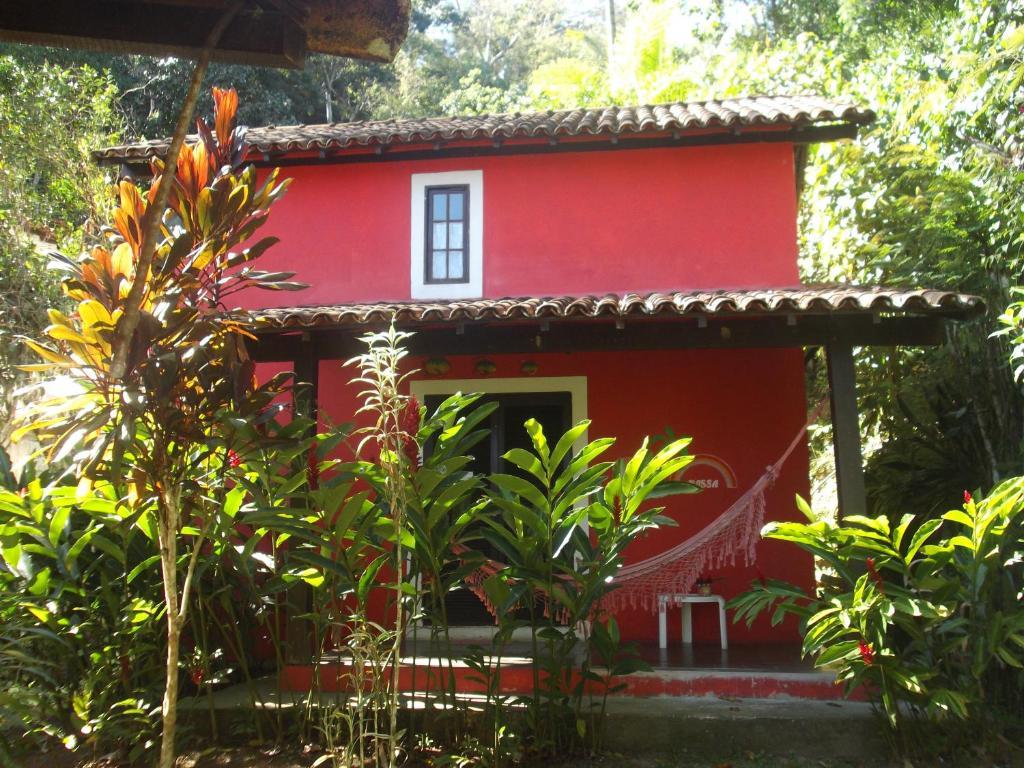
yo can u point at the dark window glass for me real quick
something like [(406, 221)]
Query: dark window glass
[(446, 251)]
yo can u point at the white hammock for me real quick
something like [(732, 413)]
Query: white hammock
[(736, 531)]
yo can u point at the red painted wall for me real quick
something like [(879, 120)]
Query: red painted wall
[(741, 405), (596, 222), (574, 223)]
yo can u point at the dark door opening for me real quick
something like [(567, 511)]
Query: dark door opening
[(554, 412)]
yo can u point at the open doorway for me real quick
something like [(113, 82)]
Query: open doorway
[(557, 403), (506, 424)]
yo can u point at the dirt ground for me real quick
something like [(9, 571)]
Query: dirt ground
[(259, 758), (255, 759)]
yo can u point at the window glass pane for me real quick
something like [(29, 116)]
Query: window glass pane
[(439, 206), (455, 265), (437, 266), (454, 235), (441, 236), (456, 199)]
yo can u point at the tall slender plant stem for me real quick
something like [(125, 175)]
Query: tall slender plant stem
[(451, 700), (204, 644), (168, 536), (168, 522), (397, 501)]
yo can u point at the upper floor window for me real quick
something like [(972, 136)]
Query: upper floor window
[(447, 223), (447, 235)]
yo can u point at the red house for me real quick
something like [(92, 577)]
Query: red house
[(636, 266)]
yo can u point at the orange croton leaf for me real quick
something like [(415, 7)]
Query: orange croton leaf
[(122, 263), (129, 213), (104, 276), (225, 107), (93, 278), (156, 172), (193, 169)]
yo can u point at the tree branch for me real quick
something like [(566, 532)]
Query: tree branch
[(186, 586), (154, 213)]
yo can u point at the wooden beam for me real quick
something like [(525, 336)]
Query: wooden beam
[(842, 385), (256, 36), (637, 334)]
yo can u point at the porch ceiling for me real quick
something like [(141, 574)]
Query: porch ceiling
[(808, 300), (277, 33)]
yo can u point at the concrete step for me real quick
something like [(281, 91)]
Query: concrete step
[(419, 674)]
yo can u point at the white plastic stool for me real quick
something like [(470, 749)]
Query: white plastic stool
[(686, 601)]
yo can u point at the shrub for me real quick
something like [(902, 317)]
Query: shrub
[(923, 616), (80, 640)]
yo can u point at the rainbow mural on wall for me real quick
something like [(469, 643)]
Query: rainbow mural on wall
[(708, 471)]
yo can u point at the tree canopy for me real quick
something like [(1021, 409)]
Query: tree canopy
[(930, 195), (51, 117)]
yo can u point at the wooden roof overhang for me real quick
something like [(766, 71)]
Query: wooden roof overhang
[(277, 33), (805, 316)]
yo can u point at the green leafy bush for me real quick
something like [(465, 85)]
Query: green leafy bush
[(80, 631), (561, 524), (923, 616)]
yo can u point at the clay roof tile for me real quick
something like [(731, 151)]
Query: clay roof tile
[(795, 111), (805, 299)]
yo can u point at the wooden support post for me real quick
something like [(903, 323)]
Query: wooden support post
[(307, 378), (842, 384), (299, 598)]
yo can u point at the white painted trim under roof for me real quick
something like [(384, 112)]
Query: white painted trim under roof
[(576, 386)]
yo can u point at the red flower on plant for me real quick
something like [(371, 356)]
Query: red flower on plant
[(197, 676), (967, 497), (234, 460), (867, 653), (875, 575)]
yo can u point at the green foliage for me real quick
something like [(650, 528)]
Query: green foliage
[(401, 525), (163, 435), (80, 638), (50, 193), (561, 525), (461, 56), (923, 616)]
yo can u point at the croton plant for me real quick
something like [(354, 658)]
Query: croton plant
[(165, 431)]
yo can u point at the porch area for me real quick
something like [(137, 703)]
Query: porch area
[(693, 704), (728, 367)]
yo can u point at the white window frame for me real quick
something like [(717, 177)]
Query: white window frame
[(576, 386), (474, 287)]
